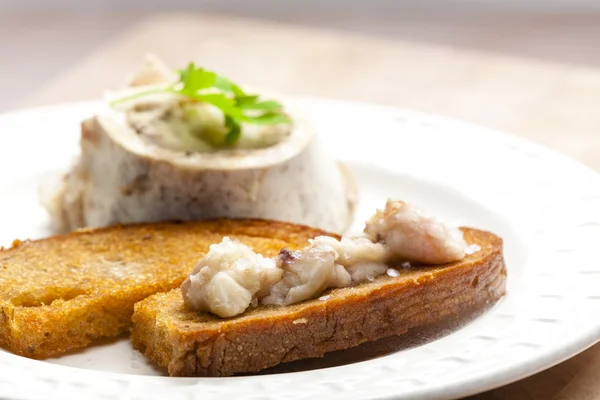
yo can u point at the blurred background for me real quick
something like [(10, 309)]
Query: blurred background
[(40, 39), (526, 67)]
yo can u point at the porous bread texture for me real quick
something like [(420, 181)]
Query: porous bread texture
[(62, 293), (187, 343)]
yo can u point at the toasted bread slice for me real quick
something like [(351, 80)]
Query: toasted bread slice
[(187, 343), (60, 293)]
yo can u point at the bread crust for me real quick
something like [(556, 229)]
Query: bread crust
[(61, 293), (187, 343)]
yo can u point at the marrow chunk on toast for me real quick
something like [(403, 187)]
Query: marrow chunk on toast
[(188, 343)]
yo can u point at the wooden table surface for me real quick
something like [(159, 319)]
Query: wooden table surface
[(548, 102)]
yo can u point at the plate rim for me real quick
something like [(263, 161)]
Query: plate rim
[(485, 380)]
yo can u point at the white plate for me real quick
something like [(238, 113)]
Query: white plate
[(544, 205)]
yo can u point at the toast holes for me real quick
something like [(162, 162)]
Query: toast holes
[(46, 297), (475, 281)]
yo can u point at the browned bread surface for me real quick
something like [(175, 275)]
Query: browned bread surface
[(61, 293), (200, 344)]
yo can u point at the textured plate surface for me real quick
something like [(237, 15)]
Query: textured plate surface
[(546, 207)]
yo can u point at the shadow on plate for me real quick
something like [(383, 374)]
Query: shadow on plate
[(379, 348)]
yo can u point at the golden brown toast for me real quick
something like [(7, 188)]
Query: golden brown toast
[(187, 343), (61, 293)]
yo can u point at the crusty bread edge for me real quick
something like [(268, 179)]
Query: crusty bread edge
[(215, 353), (46, 325), (220, 222)]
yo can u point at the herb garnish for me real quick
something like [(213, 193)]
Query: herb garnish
[(229, 98)]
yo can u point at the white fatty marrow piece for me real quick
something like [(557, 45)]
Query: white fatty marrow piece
[(122, 178)]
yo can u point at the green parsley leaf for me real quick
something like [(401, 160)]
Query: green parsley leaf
[(247, 99), (268, 119), (268, 105), (194, 79), (234, 130), (226, 85), (222, 102), (184, 74), (140, 94), (232, 100)]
